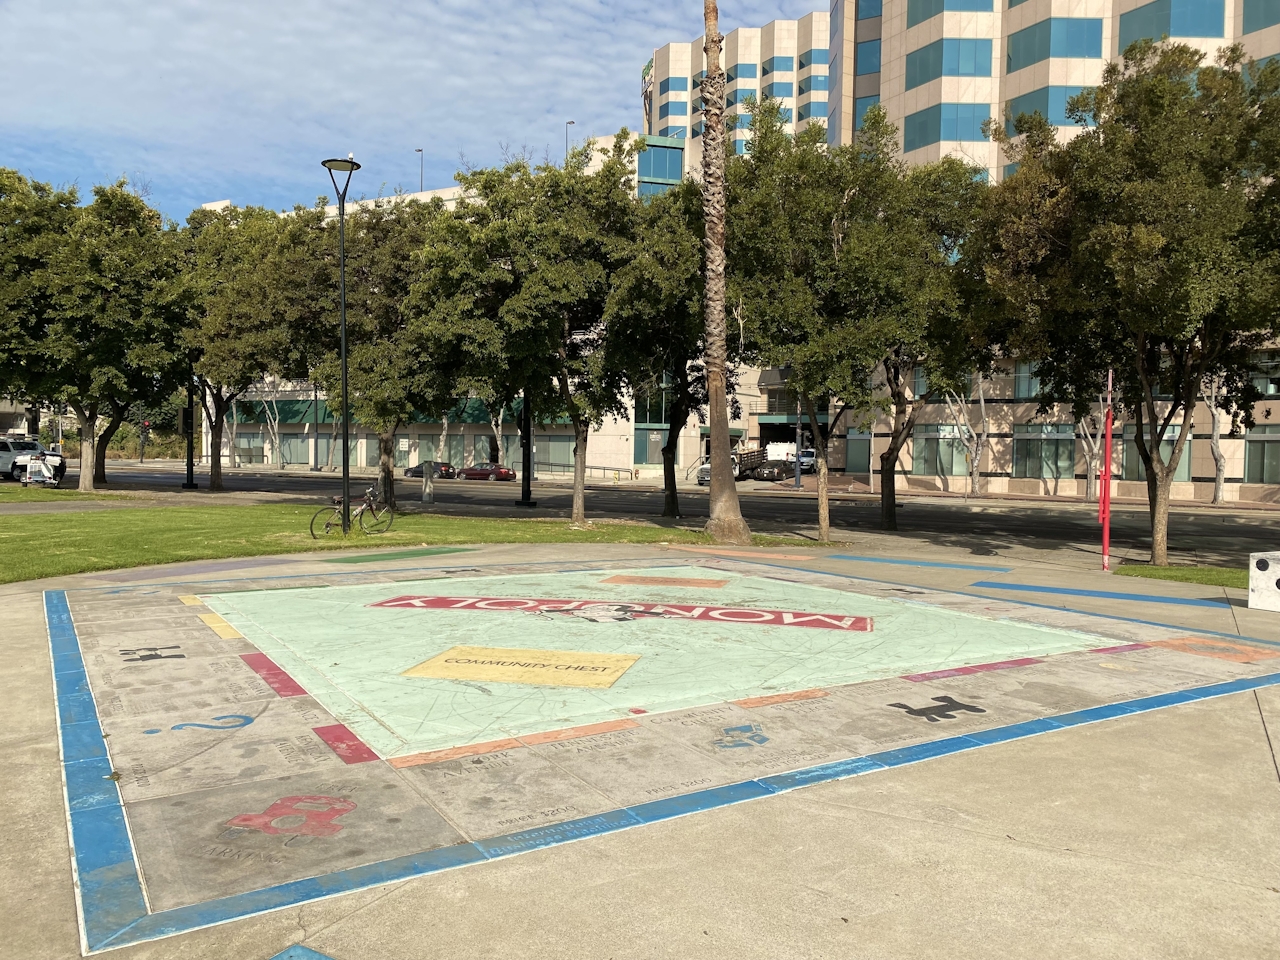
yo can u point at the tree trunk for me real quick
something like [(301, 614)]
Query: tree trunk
[(726, 524), (676, 420), (820, 463), (100, 447), (495, 424), (1159, 499), (443, 446), (215, 410), (387, 464), (889, 484), (1219, 461), (87, 418), (580, 428)]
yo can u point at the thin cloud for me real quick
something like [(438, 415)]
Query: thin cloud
[(241, 99)]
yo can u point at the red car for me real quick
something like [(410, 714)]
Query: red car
[(486, 471)]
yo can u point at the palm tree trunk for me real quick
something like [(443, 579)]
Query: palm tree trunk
[(726, 524)]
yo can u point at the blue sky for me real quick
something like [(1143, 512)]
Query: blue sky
[(241, 100)]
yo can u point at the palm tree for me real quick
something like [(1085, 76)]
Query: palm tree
[(726, 524)]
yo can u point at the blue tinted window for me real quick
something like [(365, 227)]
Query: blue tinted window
[(739, 146), (813, 58), (1010, 169), (741, 120), (735, 97), (868, 57), (672, 132), (673, 108), (818, 82), (1049, 102), (1197, 18), (948, 58), (814, 108), (870, 8), (698, 128), (1177, 18), (779, 65), (1057, 37), (740, 71), (860, 108), (652, 189), (1260, 14), (673, 83), (660, 163), (1015, 3), (918, 11), (785, 114), (944, 121), (780, 88)]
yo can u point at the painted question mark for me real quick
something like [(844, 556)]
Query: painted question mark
[(240, 721)]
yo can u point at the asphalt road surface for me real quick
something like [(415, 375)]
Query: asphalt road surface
[(983, 528)]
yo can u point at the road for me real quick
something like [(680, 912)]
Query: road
[(981, 527)]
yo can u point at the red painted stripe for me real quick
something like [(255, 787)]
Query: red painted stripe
[(277, 679), (349, 747), (1123, 648), (976, 668)]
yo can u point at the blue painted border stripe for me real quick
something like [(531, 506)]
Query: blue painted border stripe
[(1101, 594), (102, 852), (114, 913), (919, 563)]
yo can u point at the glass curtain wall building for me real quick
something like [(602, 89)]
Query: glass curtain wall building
[(942, 68), (785, 59)]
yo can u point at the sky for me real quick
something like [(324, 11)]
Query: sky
[(196, 101)]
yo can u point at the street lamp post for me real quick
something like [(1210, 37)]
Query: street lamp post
[(347, 166), (422, 162), (567, 125)]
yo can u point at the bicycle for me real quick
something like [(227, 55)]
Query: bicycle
[(373, 514)]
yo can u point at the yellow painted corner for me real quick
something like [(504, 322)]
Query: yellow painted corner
[(191, 600), (548, 668), (219, 626)]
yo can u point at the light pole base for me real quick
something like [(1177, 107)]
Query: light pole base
[(191, 486), (526, 503)]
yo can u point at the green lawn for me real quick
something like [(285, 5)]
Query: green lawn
[(1209, 576), (17, 493), (33, 546)]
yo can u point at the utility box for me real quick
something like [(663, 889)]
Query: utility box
[(1264, 581)]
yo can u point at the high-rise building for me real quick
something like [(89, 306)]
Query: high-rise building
[(941, 68), (785, 59)]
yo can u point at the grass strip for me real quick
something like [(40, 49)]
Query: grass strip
[(396, 555), (34, 546), (1209, 576), (34, 493)]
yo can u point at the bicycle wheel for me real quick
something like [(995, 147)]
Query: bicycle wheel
[(377, 518), (326, 523)]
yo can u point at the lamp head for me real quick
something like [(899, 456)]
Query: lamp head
[(342, 166)]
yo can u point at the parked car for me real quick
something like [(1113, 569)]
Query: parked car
[(487, 471), (808, 460), (775, 470), (16, 453), (439, 470)]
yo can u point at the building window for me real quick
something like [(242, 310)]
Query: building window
[(1135, 469), (857, 452), (1177, 18), (918, 11), (948, 58), (870, 8), (937, 451), (249, 447), (860, 108), (780, 89), (676, 133), (1260, 14), (673, 108), (868, 57), (1049, 102), (1056, 37), (740, 71), (944, 121), (818, 81), (1266, 376), (1262, 455), (1026, 384), (735, 97), (814, 108), (812, 58), (698, 128), (1044, 451), (740, 147), (648, 445), (673, 83), (785, 114), (661, 163), (919, 382), (372, 457), (293, 449), (779, 65)]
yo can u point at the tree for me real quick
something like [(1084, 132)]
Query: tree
[(654, 319), (974, 439), (1138, 247), (726, 524)]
